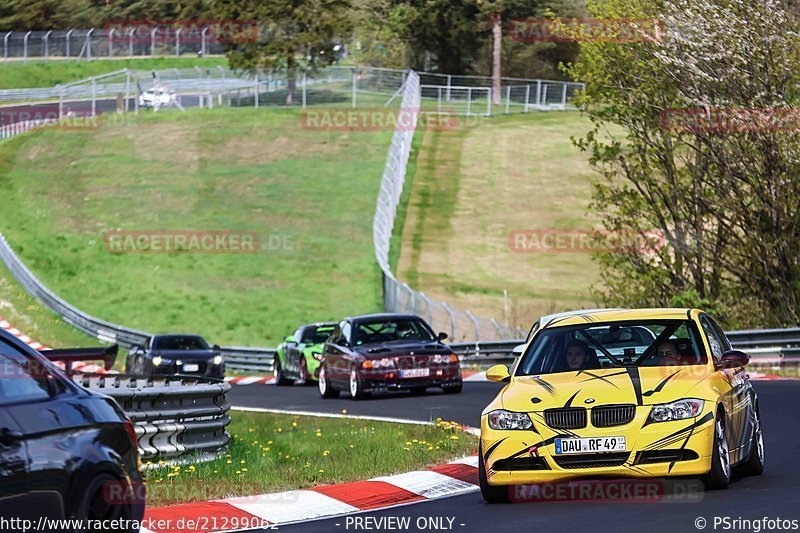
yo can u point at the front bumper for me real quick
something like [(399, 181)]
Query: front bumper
[(445, 376), (206, 370), (675, 448)]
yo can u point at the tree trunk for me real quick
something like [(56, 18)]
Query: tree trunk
[(497, 37)]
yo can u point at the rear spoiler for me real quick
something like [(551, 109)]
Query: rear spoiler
[(73, 355)]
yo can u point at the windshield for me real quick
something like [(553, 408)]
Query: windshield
[(391, 330), (317, 334), (180, 342), (613, 344)]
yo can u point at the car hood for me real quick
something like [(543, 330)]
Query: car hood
[(629, 385), (186, 355), (392, 349)]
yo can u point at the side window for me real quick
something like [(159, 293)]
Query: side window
[(346, 331), (726, 344), (22, 378), (717, 346), (298, 335), (147, 345)]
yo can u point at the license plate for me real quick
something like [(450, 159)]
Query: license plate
[(590, 445), (415, 373), (191, 368)]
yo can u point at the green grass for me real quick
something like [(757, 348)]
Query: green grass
[(19, 74), (270, 453), (26, 314), (224, 169), (474, 185)]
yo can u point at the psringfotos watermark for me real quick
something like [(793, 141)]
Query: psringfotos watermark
[(187, 31), (657, 490), (755, 525), (195, 242), (730, 120), (611, 30), (377, 119), (529, 241)]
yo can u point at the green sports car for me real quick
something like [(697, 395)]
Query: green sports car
[(298, 356)]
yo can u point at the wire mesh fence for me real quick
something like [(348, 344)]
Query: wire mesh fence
[(398, 296)]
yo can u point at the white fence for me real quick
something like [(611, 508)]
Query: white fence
[(398, 296)]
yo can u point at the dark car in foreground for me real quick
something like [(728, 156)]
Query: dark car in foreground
[(384, 352), (176, 354), (65, 452)]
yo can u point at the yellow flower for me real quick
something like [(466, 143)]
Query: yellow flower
[(280, 430), (241, 462), (269, 442), (321, 471), (229, 461), (352, 446), (325, 453), (244, 470), (453, 437), (294, 424)]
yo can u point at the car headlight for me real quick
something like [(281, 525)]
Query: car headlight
[(158, 361), (680, 410), (501, 419), (378, 363), (439, 359), (317, 356), (217, 360)]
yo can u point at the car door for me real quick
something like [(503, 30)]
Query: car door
[(337, 354), (291, 353), (29, 429), (737, 399), (14, 494)]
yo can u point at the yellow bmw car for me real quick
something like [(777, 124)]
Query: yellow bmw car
[(621, 393)]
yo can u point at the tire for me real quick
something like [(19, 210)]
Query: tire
[(754, 465), (280, 378), (356, 385), (95, 504), (492, 494), (305, 375), (453, 390), (325, 389), (719, 477)]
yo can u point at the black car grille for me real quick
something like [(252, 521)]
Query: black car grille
[(407, 362), (521, 463), (665, 456), (592, 460), (566, 418), (612, 415)]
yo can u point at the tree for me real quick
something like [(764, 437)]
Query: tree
[(682, 139), (294, 34)]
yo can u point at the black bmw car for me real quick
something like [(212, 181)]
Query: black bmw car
[(384, 352), (176, 354), (65, 452)]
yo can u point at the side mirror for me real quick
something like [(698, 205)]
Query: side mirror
[(341, 341), (216, 348), (518, 349), (441, 336), (498, 374), (734, 359), (139, 350)]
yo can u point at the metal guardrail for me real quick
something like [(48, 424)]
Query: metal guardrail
[(253, 360), (173, 415)]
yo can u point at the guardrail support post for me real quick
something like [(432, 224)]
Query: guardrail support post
[(89, 44), (477, 326), (25, 46), (69, 34), (46, 44), (178, 42), (303, 93), (153, 41), (355, 85), (130, 42), (527, 97), (452, 321), (508, 97), (5, 45), (203, 41)]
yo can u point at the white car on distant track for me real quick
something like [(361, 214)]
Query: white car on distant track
[(156, 97)]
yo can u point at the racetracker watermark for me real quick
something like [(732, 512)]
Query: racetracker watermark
[(730, 120), (76, 116), (657, 490), (615, 30), (529, 241), (194, 242), (160, 32), (376, 119)]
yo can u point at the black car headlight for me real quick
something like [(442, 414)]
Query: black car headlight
[(680, 410), (217, 360), (161, 361), (501, 419), (317, 356)]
